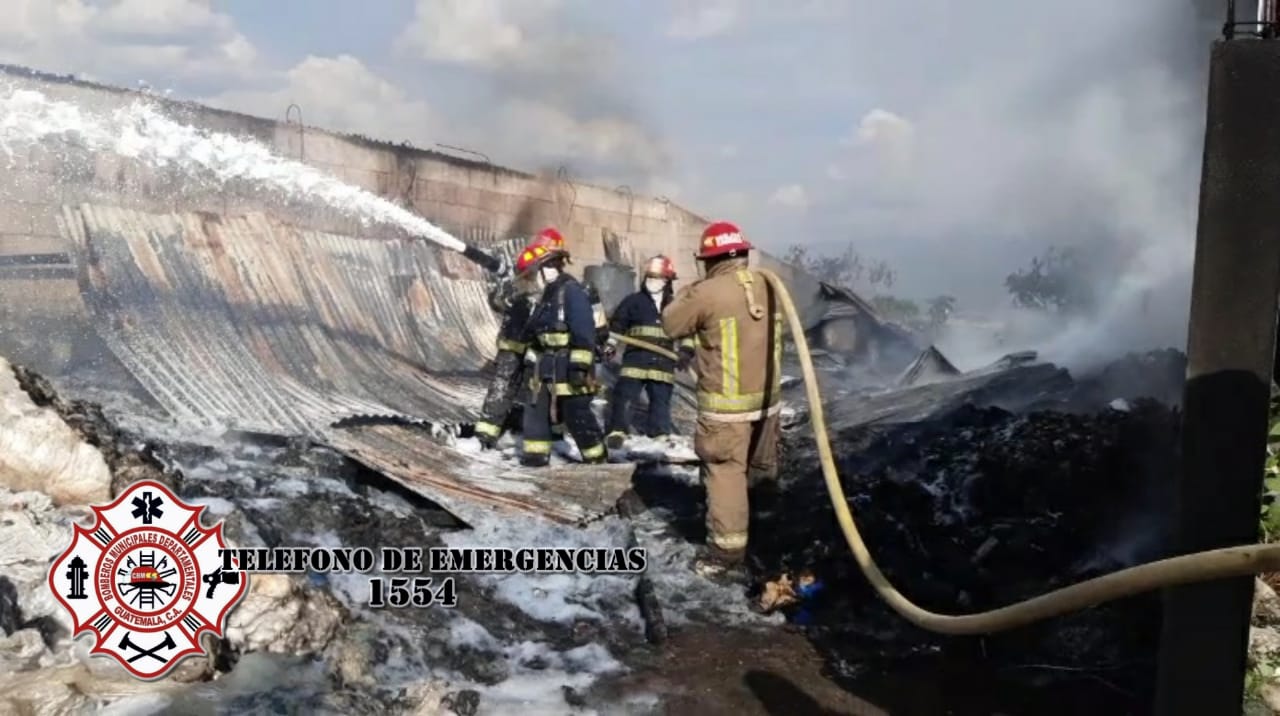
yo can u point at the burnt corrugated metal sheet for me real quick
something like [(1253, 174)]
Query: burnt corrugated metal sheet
[(253, 324), (468, 485)]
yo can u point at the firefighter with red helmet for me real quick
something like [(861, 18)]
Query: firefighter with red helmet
[(738, 323), (515, 301), (639, 316), (560, 359)]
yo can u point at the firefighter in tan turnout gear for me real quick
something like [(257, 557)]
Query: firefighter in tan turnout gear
[(738, 324)]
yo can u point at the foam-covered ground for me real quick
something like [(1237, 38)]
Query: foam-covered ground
[(535, 643), (540, 643)]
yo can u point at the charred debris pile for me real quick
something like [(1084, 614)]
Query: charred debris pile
[(973, 497)]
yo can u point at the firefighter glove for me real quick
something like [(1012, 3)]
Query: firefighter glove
[(500, 296), (686, 358)]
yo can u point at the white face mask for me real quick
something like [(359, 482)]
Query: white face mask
[(548, 274), (654, 285)]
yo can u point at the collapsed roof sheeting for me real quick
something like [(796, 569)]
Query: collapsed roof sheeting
[(249, 323), (467, 485), (930, 366), (821, 305)]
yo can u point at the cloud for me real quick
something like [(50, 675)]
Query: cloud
[(342, 94), (880, 127), (559, 96), (601, 145), (163, 19), (481, 33), (883, 148), (164, 40), (700, 19), (791, 196)]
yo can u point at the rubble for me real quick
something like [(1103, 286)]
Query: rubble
[(1154, 375), (128, 457), (279, 614), (39, 452), (32, 531), (975, 508), (968, 497), (1266, 603)]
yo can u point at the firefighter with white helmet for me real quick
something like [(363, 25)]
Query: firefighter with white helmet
[(738, 323), (639, 316)]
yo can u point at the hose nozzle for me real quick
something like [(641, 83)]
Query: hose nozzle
[(491, 264)]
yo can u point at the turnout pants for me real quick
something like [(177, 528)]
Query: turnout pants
[(729, 452), (626, 390), (500, 407), (575, 413)]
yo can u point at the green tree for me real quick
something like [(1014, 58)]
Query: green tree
[(1058, 281), (940, 309), (896, 309), (847, 269)]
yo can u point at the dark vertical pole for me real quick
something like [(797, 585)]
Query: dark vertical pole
[(1230, 350)]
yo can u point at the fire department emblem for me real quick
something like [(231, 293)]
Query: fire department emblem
[(146, 579)]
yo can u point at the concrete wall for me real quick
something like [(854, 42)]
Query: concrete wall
[(472, 199)]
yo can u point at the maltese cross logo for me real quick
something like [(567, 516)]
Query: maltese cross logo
[(134, 579)]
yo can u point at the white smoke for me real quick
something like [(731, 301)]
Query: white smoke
[(1065, 124)]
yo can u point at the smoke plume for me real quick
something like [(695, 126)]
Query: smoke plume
[(1011, 130)]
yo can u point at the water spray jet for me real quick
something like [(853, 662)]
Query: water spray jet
[(141, 132)]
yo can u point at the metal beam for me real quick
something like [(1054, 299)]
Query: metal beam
[(1230, 352)]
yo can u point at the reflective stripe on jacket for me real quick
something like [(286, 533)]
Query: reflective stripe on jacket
[(563, 336), (637, 316), (739, 351), (515, 321)]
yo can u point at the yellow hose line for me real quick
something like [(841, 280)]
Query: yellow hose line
[(645, 345), (656, 349), (1198, 567)]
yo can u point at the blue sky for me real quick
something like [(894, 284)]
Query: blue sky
[(955, 140)]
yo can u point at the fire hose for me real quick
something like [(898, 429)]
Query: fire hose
[(646, 345), (1205, 566), (1239, 561)]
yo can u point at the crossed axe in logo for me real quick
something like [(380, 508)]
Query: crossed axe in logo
[(168, 643)]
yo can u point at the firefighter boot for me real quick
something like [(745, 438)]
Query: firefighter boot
[(615, 440), (488, 441)]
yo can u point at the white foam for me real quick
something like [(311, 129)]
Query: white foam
[(140, 131)]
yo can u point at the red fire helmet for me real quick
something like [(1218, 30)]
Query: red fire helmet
[(549, 238), (534, 255), (723, 239), (660, 267)]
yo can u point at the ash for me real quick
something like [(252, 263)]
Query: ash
[(972, 510), (967, 502)]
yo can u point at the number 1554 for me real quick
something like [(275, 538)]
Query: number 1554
[(418, 592)]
